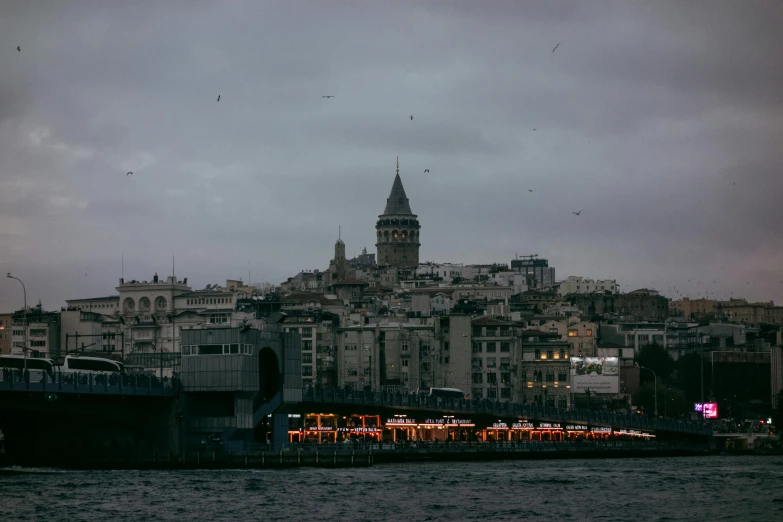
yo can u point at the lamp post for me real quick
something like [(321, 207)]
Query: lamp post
[(655, 382), (24, 318)]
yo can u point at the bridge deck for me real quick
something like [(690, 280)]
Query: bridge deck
[(501, 409), (38, 381)]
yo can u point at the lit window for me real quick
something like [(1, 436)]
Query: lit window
[(589, 333), (572, 333)]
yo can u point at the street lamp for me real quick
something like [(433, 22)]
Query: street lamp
[(655, 382), (24, 318)]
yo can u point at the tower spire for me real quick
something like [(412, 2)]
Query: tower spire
[(398, 165)]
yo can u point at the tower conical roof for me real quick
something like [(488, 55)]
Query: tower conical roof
[(398, 203)]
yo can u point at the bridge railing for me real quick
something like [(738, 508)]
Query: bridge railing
[(106, 384), (503, 409)]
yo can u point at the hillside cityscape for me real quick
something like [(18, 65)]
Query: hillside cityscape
[(502, 332)]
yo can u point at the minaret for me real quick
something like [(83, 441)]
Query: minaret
[(397, 229)]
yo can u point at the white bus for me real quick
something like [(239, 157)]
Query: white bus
[(91, 365), (35, 367), (446, 393)]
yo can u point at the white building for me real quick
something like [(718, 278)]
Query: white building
[(580, 285)]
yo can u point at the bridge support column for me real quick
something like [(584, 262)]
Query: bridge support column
[(280, 431)]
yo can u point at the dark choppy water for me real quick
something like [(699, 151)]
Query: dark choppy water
[(705, 488)]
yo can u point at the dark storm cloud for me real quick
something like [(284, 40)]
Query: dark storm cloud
[(662, 119)]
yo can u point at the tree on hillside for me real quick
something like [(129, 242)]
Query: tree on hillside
[(657, 358), (689, 376)]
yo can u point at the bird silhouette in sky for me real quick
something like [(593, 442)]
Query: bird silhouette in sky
[(530, 190), (129, 174), (555, 49), (578, 213), (426, 170), (411, 117), (328, 96), (218, 97), (19, 48)]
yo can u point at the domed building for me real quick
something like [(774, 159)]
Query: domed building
[(397, 230)]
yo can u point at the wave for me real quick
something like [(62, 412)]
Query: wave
[(19, 470)]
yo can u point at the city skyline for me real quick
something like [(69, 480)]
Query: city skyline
[(665, 136)]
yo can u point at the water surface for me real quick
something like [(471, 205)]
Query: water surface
[(660, 489)]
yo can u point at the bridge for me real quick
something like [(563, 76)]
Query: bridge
[(329, 399), (37, 381), (249, 394)]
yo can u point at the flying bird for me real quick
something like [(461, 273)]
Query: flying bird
[(578, 213), (530, 190), (328, 96), (19, 48), (129, 174), (411, 117), (555, 49), (535, 129), (218, 97), (426, 170)]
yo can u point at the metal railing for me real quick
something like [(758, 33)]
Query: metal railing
[(502, 409), (105, 384)]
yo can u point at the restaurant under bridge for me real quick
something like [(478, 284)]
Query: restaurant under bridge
[(338, 415)]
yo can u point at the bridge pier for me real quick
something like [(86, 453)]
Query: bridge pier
[(280, 431)]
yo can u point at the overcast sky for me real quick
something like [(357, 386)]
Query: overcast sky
[(662, 120)]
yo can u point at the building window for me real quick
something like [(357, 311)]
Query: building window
[(37, 332), (492, 393), (307, 332), (307, 371), (478, 393), (572, 333), (491, 331), (550, 376), (522, 374), (476, 363), (536, 375), (562, 354), (562, 402), (491, 347), (549, 354), (505, 377), (505, 347), (405, 363), (307, 345), (307, 358), (446, 346), (404, 347), (38, 343), (478, 378), (217, 319), (492, 378), (476, 347), (538, 353), (505, 393), (492, 362), (562, 375), (589, 332), (505, 363)]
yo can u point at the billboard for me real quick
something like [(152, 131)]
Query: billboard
[(597, 374), (708, 409)]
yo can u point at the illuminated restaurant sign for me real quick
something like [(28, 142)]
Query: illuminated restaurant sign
[(522, 426), (400, 421), (549, 426), (601, 429), (499, 426), (576, 427), (448, 422)]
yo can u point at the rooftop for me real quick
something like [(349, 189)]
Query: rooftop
[(397, 204)]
